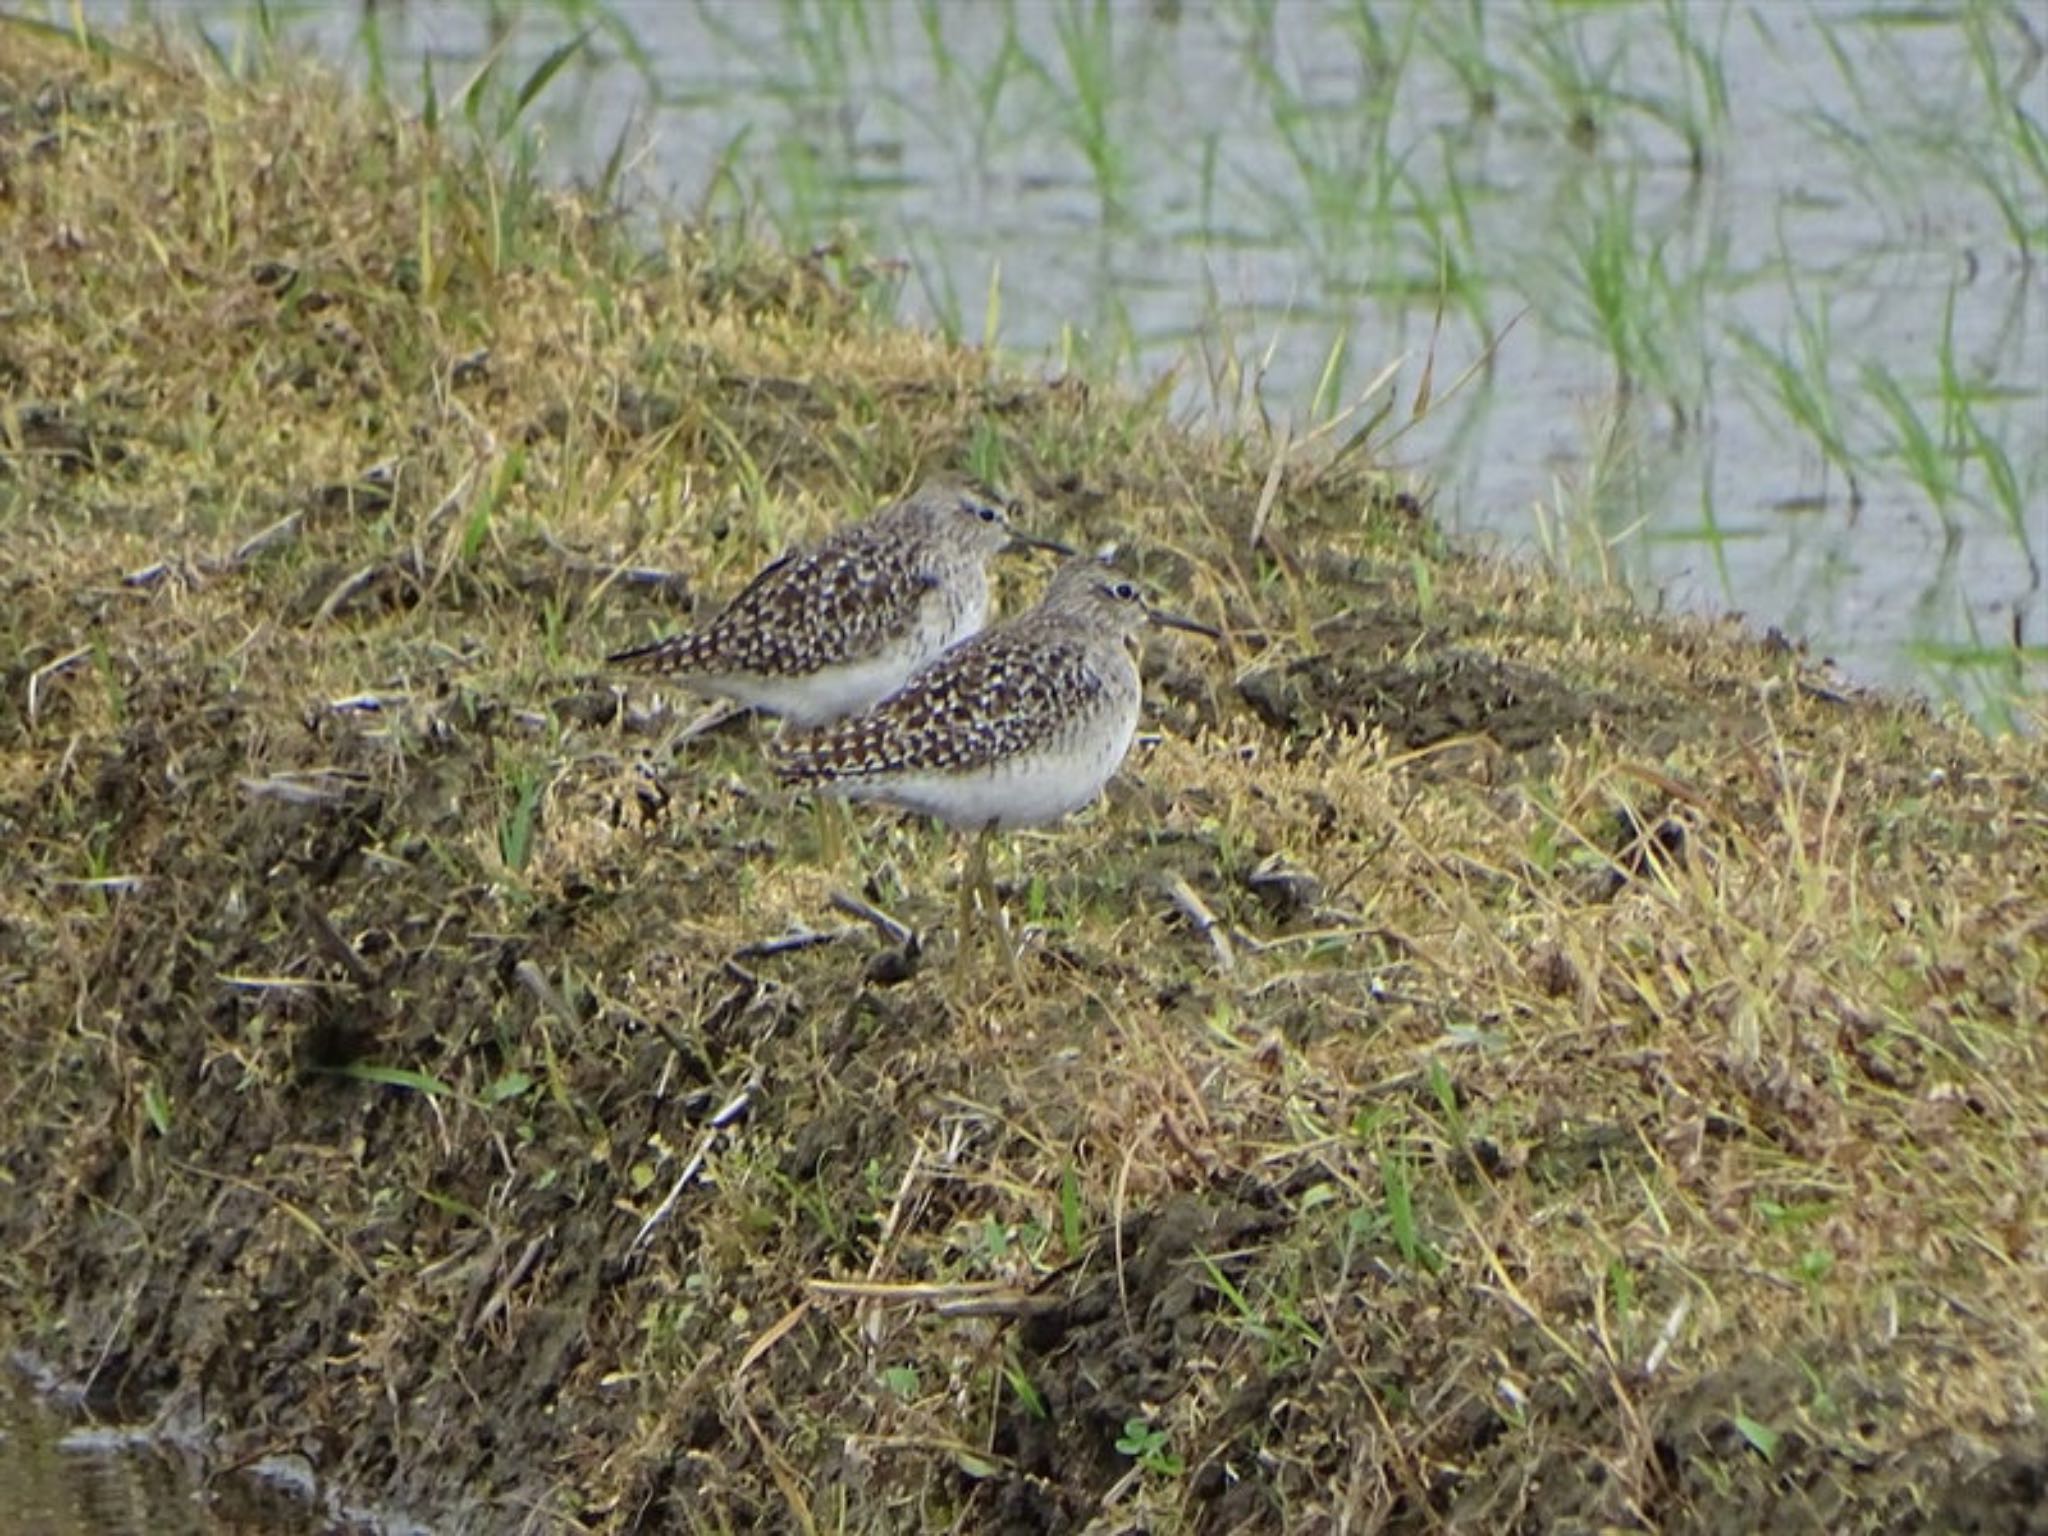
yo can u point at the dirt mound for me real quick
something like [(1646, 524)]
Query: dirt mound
[(1492, 1063)]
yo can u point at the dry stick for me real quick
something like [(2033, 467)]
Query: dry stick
[(733, 1108), (1012, 1304), (120, 885), (1201, 919), (348, 587), (308, 786), (340, 948), (795, 939), (366, 703), (892, 1224), (907, 1290), (1667, 1336), (668, 1204), (529, 976), (973, 1298), (1117, 1205), (47, 671), (779, 1469), (286, 527), (1271, 490), (501, 1298), (772, 1336), (891, 929), (782, 1472), (706, 720), (282, 531), (611, 572)]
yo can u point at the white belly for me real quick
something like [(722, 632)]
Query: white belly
[(816, 697), (1025, 791)]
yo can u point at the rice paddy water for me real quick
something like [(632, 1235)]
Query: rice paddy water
[(1740, 304)]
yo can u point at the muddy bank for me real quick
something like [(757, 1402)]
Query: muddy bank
[(1617, 1101)]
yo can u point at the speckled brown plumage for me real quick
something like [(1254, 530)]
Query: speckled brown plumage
[(1001, 694), (831, 627), (846, 595), (1017, 726)]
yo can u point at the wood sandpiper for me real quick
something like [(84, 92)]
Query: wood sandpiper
[(833, 627), (1016, 727)]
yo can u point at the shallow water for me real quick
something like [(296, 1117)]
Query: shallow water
[(1761, 377), (60, 1477)]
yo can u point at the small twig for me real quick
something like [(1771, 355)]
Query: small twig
[(315, 786), (529, 976), (502, 1296), (1667, 1336), (797, 938), (47, 672), (286, 527), (704, 723), (350, 586), (662, 1211), (660, 578), (120, 884), (452, 503), (366, 703), (770, 1337), (732, 1109), (1201, 919), (609, 573), (910, 1290), (242, 982), (746, 987), (894, 931), (973, 1298), (340, 948), (1271, 490)]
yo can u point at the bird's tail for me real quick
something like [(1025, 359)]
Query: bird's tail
[(677, 653)]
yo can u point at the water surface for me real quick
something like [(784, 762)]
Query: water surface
[(1755, 289), (63, 1476)]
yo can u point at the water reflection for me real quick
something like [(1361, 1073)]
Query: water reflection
[(60, 1478)]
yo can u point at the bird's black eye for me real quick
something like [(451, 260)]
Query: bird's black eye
[(1124, 592), (988, 514)]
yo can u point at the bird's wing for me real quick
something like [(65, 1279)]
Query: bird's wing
[(842, 599), (1002, 693)]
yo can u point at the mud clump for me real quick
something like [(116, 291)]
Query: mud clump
[(1418, 702), (1114, 1348)]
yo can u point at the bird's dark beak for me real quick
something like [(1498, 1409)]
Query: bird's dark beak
[(1176, 621), (1022, 540)]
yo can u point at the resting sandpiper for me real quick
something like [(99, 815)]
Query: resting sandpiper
[(1013, 728), (832, 627)]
